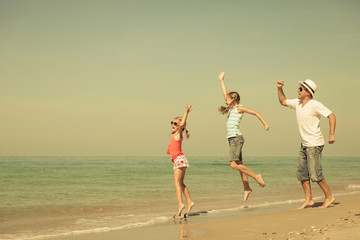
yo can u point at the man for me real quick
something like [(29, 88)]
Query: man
[(308, 113)]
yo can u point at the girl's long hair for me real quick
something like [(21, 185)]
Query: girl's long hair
[(187, 131), (235, 99)]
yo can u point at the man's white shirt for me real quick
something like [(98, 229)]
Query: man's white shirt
[(308, 120)]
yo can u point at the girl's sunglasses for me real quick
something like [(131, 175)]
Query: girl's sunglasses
[(174, 123), (300, 89)]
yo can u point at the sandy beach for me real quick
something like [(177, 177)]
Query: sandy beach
[(337, 222), (340, 221)]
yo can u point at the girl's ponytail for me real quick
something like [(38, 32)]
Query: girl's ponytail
[(187, 133), (235, 100), (224, 110)]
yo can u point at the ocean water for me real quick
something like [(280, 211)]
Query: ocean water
[(43, 197)]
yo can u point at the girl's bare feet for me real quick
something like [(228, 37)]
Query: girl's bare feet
[(307, 203), (181, 207), (190, 206), (260, 181), (246, 194)]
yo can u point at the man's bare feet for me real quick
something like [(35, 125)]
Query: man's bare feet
[(327, 202), (246, 194), (307, 203), (260, 181), (190, 206), (181, 207)]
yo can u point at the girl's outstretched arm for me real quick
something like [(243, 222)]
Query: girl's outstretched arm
[(242, 109), (222, 82)]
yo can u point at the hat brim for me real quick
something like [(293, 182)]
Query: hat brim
[(306, 86)]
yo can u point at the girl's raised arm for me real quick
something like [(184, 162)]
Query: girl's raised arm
[(188, 108), (222, 82)]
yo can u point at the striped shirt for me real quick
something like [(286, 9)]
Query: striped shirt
[(233, 122)]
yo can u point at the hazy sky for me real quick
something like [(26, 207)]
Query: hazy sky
[(107, 77)]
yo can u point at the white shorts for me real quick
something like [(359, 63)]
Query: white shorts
[(181, 162)]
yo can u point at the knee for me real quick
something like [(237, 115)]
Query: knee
[(237, 165), (233, 165), (178, 184)]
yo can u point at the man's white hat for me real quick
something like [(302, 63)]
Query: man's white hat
[(310, 85)]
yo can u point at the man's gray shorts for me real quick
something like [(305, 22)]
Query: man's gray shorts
[(236, 143), (309, 165)]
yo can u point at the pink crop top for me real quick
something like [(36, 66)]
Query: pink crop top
[(174, 148)]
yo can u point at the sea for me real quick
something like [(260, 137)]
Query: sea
[(44, 197)]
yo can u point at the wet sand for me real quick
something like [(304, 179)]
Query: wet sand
[(339, 221)]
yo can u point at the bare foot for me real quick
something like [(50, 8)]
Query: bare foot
[(307, 203), (327, 202), (181, 207), (260, 181), (246, 194), (190, 206)]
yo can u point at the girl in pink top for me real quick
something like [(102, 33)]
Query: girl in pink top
[(178, 125)]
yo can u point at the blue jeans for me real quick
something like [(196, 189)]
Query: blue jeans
[(309, 165)]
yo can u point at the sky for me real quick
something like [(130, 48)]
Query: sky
[(105, 78)]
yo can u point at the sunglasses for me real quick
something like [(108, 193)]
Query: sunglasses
[(174, 123), (301, 89)]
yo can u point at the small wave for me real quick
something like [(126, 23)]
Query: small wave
[(260, 205), (346, 194), (150, 222), (146, 223), (353, 186)]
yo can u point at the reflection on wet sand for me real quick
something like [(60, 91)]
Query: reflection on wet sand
[(185, 228)]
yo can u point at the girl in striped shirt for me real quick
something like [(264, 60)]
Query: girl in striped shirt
[(235, 112)]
